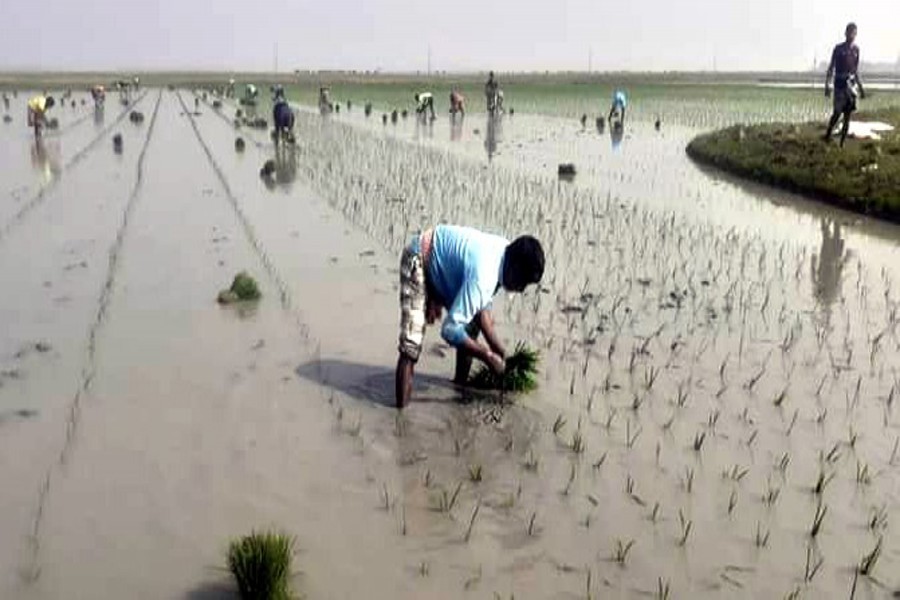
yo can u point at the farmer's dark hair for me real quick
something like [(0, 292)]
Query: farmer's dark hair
[(50, 102), (523, 263), (850, 27)]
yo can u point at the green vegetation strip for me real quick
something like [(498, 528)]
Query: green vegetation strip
[(863, 176)]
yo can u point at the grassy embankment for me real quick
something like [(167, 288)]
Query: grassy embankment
[(863, 176)]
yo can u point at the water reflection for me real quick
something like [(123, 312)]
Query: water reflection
[(424, 128), (285, 168), (616, 135), (98, 114), (827, 267), (493, 135), (45, 159), (456, 127)]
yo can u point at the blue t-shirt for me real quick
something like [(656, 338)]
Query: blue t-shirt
[(619, 99), (464, 270)]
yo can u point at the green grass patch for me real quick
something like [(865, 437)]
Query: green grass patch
[(242, 289), (520, 374), (863, 176), (261, 565)]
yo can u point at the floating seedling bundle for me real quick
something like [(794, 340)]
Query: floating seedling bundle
[(242, 289), (520, 374)]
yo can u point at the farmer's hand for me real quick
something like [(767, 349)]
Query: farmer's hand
[(862, 94), (496, 363), (827, 92)]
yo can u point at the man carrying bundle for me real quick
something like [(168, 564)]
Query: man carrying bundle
[(460, 269)]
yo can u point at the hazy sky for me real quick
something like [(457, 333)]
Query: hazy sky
[(462, 34)]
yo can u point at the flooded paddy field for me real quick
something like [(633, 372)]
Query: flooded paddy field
[(716, 411)]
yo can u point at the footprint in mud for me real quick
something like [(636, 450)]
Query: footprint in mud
[(79, 265), (40, 347), (11, 375), (21, 414)]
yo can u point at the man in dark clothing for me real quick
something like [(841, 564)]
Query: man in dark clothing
[(283, 117), (847, 84)]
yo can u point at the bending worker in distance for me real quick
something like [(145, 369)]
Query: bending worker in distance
[(37, 112)]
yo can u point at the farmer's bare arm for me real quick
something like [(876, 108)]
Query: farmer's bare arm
[(484, 354), (828, 75), (486, 320)]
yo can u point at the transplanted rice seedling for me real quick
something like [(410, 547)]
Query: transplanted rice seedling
[(261, 565), (686, 526), (472, 520), (762, 536), (821, 511), (867, 564), (520, 374), (812, 565), (621, 550)]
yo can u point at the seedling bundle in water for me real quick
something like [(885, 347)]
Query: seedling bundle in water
[(261, 565), (243, 288), (520, 374)]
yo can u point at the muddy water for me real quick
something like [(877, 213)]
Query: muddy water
[(33, 167), (55, 259), (660, 330), (774, 344)]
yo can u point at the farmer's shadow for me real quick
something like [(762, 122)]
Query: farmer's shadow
[(375, 383)]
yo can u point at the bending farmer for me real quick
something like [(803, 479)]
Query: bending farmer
[(425, 102), (460, 269), (619, 102), (283, 117), (37, 112)]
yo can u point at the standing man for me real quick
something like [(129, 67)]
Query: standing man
[(37, 112), (457, 103), (844, 67), (492, 93), (98, 93), (460, 269)]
